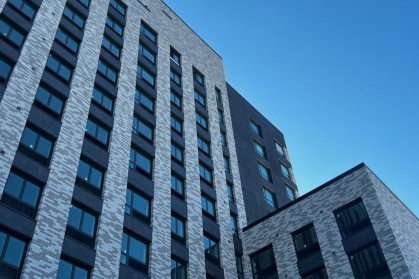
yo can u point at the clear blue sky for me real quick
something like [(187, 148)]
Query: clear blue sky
[(340, 79)]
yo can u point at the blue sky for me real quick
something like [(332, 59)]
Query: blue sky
[(340, 79)]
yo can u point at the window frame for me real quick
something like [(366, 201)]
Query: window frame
[(256, 129), (268, 270), (130, 260), (130, 208), (22, 6), (74, 15), (12, 31), (107, 69), (174, 186), (199, 77), (31, 149), (68, 37), (140, 74), (4, 250), (206, 172), (201, 119), (173, 54), (353, 227), (176, 97), (180, 225), (176, 78), (147, 31), (110, 46), (114, 25), (211, 253), (133, 165), (60, 65), (103, 95), (256, 144), (99, 128), (202, 143), (146, 52), (116, 4), (74, 267), (205, 200), (177, 155), (140, 96), (137, 131), (262, 168), (200, 98), (308, 236), (176, 121), (174, 265), (274, 203)]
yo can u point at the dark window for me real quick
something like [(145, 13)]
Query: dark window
[(230, 193), (260, 149), (285, 170), (148, 32), (233, 223), (263, 263), (305, 242), (56, 66), (177, 153), (205, 173), (140, 128), (138, 206), (198, 77), (269, 197), (145, 75), (114, 25), (23, 7), (118, 6), (178, 228), (69, 270), (317, 274), (352, 218), (177, 185), (12, 35), (208, 206), (176, 99), (76, 18), (176, 124), (140, 162), (217, 94), (279, 148), (178, 269), (264, 172), (84, 2), (239, 265), (223, 138), (226, 164), (369, 263), (89, 174), (12, 251), (97, 132), (211, 248), (201, 120), (36, 146), (203, 145), (144, 101), (107, 71), (175, 77), (221, 117), (290, 192), (111, 46), (142, 50), (5, 69), (102, 99), (49, 101), (134, 253), (199, 98), (66, 40), (81, 225), (255, 128), (175, 55)]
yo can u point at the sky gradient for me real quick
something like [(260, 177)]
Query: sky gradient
[(340, 79)]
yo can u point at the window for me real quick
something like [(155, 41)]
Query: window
[(203, 145), (177, 184), (239, 265), (114, 25), (218, 94), (233, 222), (208, 206), (20, 189), (5, 69), (11, 34), (305, 242), (230, 193), (264, 172), (145, 75), (144, 101), (175, 56), (205, 173), (148, 32), (220, 117), (118, 6), (57, 67), (89, 174), (36, 146), (263, 263), (175, 99), (226, 164), (269, 197), (211, 248), (255, 128), (150, 56), (102, 99), (223, 138), (290, 192), (317, 274), (279, 148), (199, 98), (97, 133), (23, 7), (176, 124), (107, 71), (12, 251), (84, 2), (198, 77), (77, 19), (81, 225), (49, 101), (201, 120), (175, 77), (66, 40), (177, 153), (260, 149), (178, 269), (369, 263), (134, 253), (71, 271), (140, 162), (178, 228), (285, 170), (137, 205), (140, 128), (352, 218), (111, 47)]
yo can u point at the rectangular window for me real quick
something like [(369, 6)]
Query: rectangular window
[(221, 117), (317, 274), (73, 16), (290, 192), (255, 128), (223, 138), (71, 271), (174, 55), (208, 206), (176, 124), (201, 120), (226, 164), (177, 185), (140, 162), (178, 228), (264, 172), (56, 66), (369, 263), (148, 32), (23, 7), (142, 129), (177, 153), (263, 263), (178, 269), (269, 197), (110, 73), (49, 101), (305, 242), (118, 6), (279, 149), (138, 206), (205, 173), (12, 251), (203, 145), (144, 101), (239, 265), (148, 54), (145, 75), (97, 133), (285, 170), (90, 174), (36, 146), (102, 99), (260, 149), (352, 218), (198, 77), (114, 25), (176, 99), (5, 70), (230, 193), (11, 34), (233, 222), (67, 40), (134, 253), (175, 77), (199, 98), (81, 225), (218, 94), (110, 46), (211, 248)]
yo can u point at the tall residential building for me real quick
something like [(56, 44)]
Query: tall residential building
[(124, 153)]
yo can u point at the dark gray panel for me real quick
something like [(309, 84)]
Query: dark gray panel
[(176, 111), (110, 59), (147, 88), (116, 15), (175, 67), (205, 159), (147, 64), (208, 190), (88, 199), (359, 240), (113, 36), (178, 139), (17, 222), (52, 81), (106, 84), (69, 26), (311, 263), (78, 251), (44, 121), (79, 7), (16, 18), (210, 226), (143, 144), (176, 88), (102, 116), (226, 152), (66, 55), (178, 170), (8, 51), (31, 167), (140, 228), (203, 133), (214, 270), (233, 208), (126, 272), (198, 87), (238, 247), (95, 153), (141, 182), (148, 43), (229, 177), (180, 250), (202, 111), (179, 206), (145, 114)]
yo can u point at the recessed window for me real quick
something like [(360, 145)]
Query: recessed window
[(134, 253), (176, 124), (223, 138), (178, 228), (177, 185), (285, 170), (138, 206), (177, 153), (5, 70), (11, 34), (198, 77), (260, 149), (148, 54), (23, 7), (201, 120), (290, 192), (96, 132), (199, 98), (71, 271), (144, 101), (148, 32), (269, 197), (305, 242), (178, 269), (84, 2), (90, 174), (255, 128), (12, 250), (81, 225), (110, 46), (36, 146), (208, 206), (230, 193), (218, 94), (352, 218), (233, 223), (175, 77), (176, 99), (211, 248), (221, 117), (142, 129), (114, 25), (203, 145), (279, 149), (102, 99), (55, 65), (226, 164), (118, 6), (140, 162), (317, 274), (263, 263), (49, 101), (67, 40), (145, 75), (106, 70), (205, 173), (239, 265), (73, 16), (369, 263), (174, 55), (264, 172)]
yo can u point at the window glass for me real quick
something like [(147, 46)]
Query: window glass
[(220, 117), (148, 33), (74, 17), (114, 25), (203, 145), (143, 100), (218, 94), (49, 100), (176, 124), (175, 99), (90, 174), (223, 139), (233, 223), (198, 77), (269, 197), (60, 69), (84, 2), (5, 69), (177, 184), (208, 206), (178, 270), (352, 218), (145, 75), (199, 98), (97, 132), (175, 55), (260, 149), (263, 263), (69, 42), (176, 153), (211, 247), (226, 164), (137, 250), (317, 274), (279, 148), (175, 77), (290, 192), (201, 120), (285, 171), (140, 161), (108, 72), (22, 6), (205, 173), (264, 172), (177, 226), (305, 242), (68, 270), (239, 265), (118, 6), (137, 203), (102, 99), (230, 193), (36, 142), (11, 34), (369, 263), (255, 128), (142, 50), (14, 251), (111, 47), (140, 128)]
